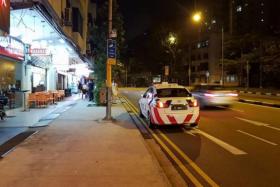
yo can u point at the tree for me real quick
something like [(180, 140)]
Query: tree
[(99, 37), (255, 54)]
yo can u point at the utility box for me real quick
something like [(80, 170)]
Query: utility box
[(102, 96)]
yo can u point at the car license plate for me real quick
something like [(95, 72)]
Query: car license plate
[(178, 107)]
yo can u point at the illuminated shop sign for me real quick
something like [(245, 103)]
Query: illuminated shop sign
[(5, 16), (11, 47), (38, 51)]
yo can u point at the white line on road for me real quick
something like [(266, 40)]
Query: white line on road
[(221, 143), (256, 137), (257, 123)]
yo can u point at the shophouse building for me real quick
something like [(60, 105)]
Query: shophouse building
[(50, 39)]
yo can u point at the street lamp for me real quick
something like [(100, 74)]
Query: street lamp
[(172, 39), (196, 17), (170, 43)]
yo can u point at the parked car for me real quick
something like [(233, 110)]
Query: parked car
[(169, 104), (214, 95)]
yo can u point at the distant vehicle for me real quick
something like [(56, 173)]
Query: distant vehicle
[(169, 104), (214, 95)]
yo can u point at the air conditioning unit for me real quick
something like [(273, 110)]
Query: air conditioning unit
[(67, 17)]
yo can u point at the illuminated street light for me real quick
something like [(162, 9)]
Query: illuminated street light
[(197, 17), (172, 39)]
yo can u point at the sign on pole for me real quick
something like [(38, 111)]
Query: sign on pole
[(111, 51), (111, 48)]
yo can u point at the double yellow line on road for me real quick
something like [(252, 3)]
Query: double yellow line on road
[(179, 163)]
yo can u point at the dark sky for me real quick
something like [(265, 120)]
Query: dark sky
[(140, 15)]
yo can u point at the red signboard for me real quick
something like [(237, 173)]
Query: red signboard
[(5, 16), (11, 47)]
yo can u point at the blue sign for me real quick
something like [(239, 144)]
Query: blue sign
[(111, 48)]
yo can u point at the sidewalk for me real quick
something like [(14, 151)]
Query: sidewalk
[(18, 121), (79, 149), (32, 117)]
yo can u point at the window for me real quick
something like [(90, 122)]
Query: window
[(77, 21), (173, 92), (231, 78), (205, 56), (90, 20), (192, 57), (239, 8), (68, 3), (203, 66)]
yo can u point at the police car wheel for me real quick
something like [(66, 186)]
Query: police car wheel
[(193, 125)]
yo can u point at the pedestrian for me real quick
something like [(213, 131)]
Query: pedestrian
[(115, 89), (84, 91), (90, 89), (80, 87)]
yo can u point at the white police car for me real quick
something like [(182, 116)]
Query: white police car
[(169, 104)]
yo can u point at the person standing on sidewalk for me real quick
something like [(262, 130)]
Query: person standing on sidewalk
[(80, 87), (90, 89), (84, 91)]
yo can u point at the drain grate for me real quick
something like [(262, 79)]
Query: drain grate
[(12, 143)]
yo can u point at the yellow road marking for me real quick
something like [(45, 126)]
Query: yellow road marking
[(178, 162), (192, 164), (173, 156)]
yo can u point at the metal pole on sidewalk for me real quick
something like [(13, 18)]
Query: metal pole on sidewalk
[(108, 68), (222, 77)]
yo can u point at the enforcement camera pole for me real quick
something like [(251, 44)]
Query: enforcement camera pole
[(108, 67)]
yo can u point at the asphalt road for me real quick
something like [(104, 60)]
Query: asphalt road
[(239, 146)]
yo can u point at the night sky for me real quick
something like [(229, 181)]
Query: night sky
[(141, 15)]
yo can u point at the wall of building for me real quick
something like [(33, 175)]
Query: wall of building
[(59, 7), (215, 51)]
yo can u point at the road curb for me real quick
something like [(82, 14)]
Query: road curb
[(259, 93), (259, 103)]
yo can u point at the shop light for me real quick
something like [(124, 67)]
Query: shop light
[(61, 41)]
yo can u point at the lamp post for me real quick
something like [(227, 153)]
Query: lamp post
[(196, 18), (172, 41), (222, 77), (109, 68)]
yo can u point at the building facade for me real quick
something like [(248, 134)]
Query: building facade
[(46, 47)]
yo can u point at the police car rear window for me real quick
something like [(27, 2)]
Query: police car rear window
[(173, 92)]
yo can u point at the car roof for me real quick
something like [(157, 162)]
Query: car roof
[(167, 85)]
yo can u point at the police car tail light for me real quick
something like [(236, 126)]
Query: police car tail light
[(192, 103), (161, 104)]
